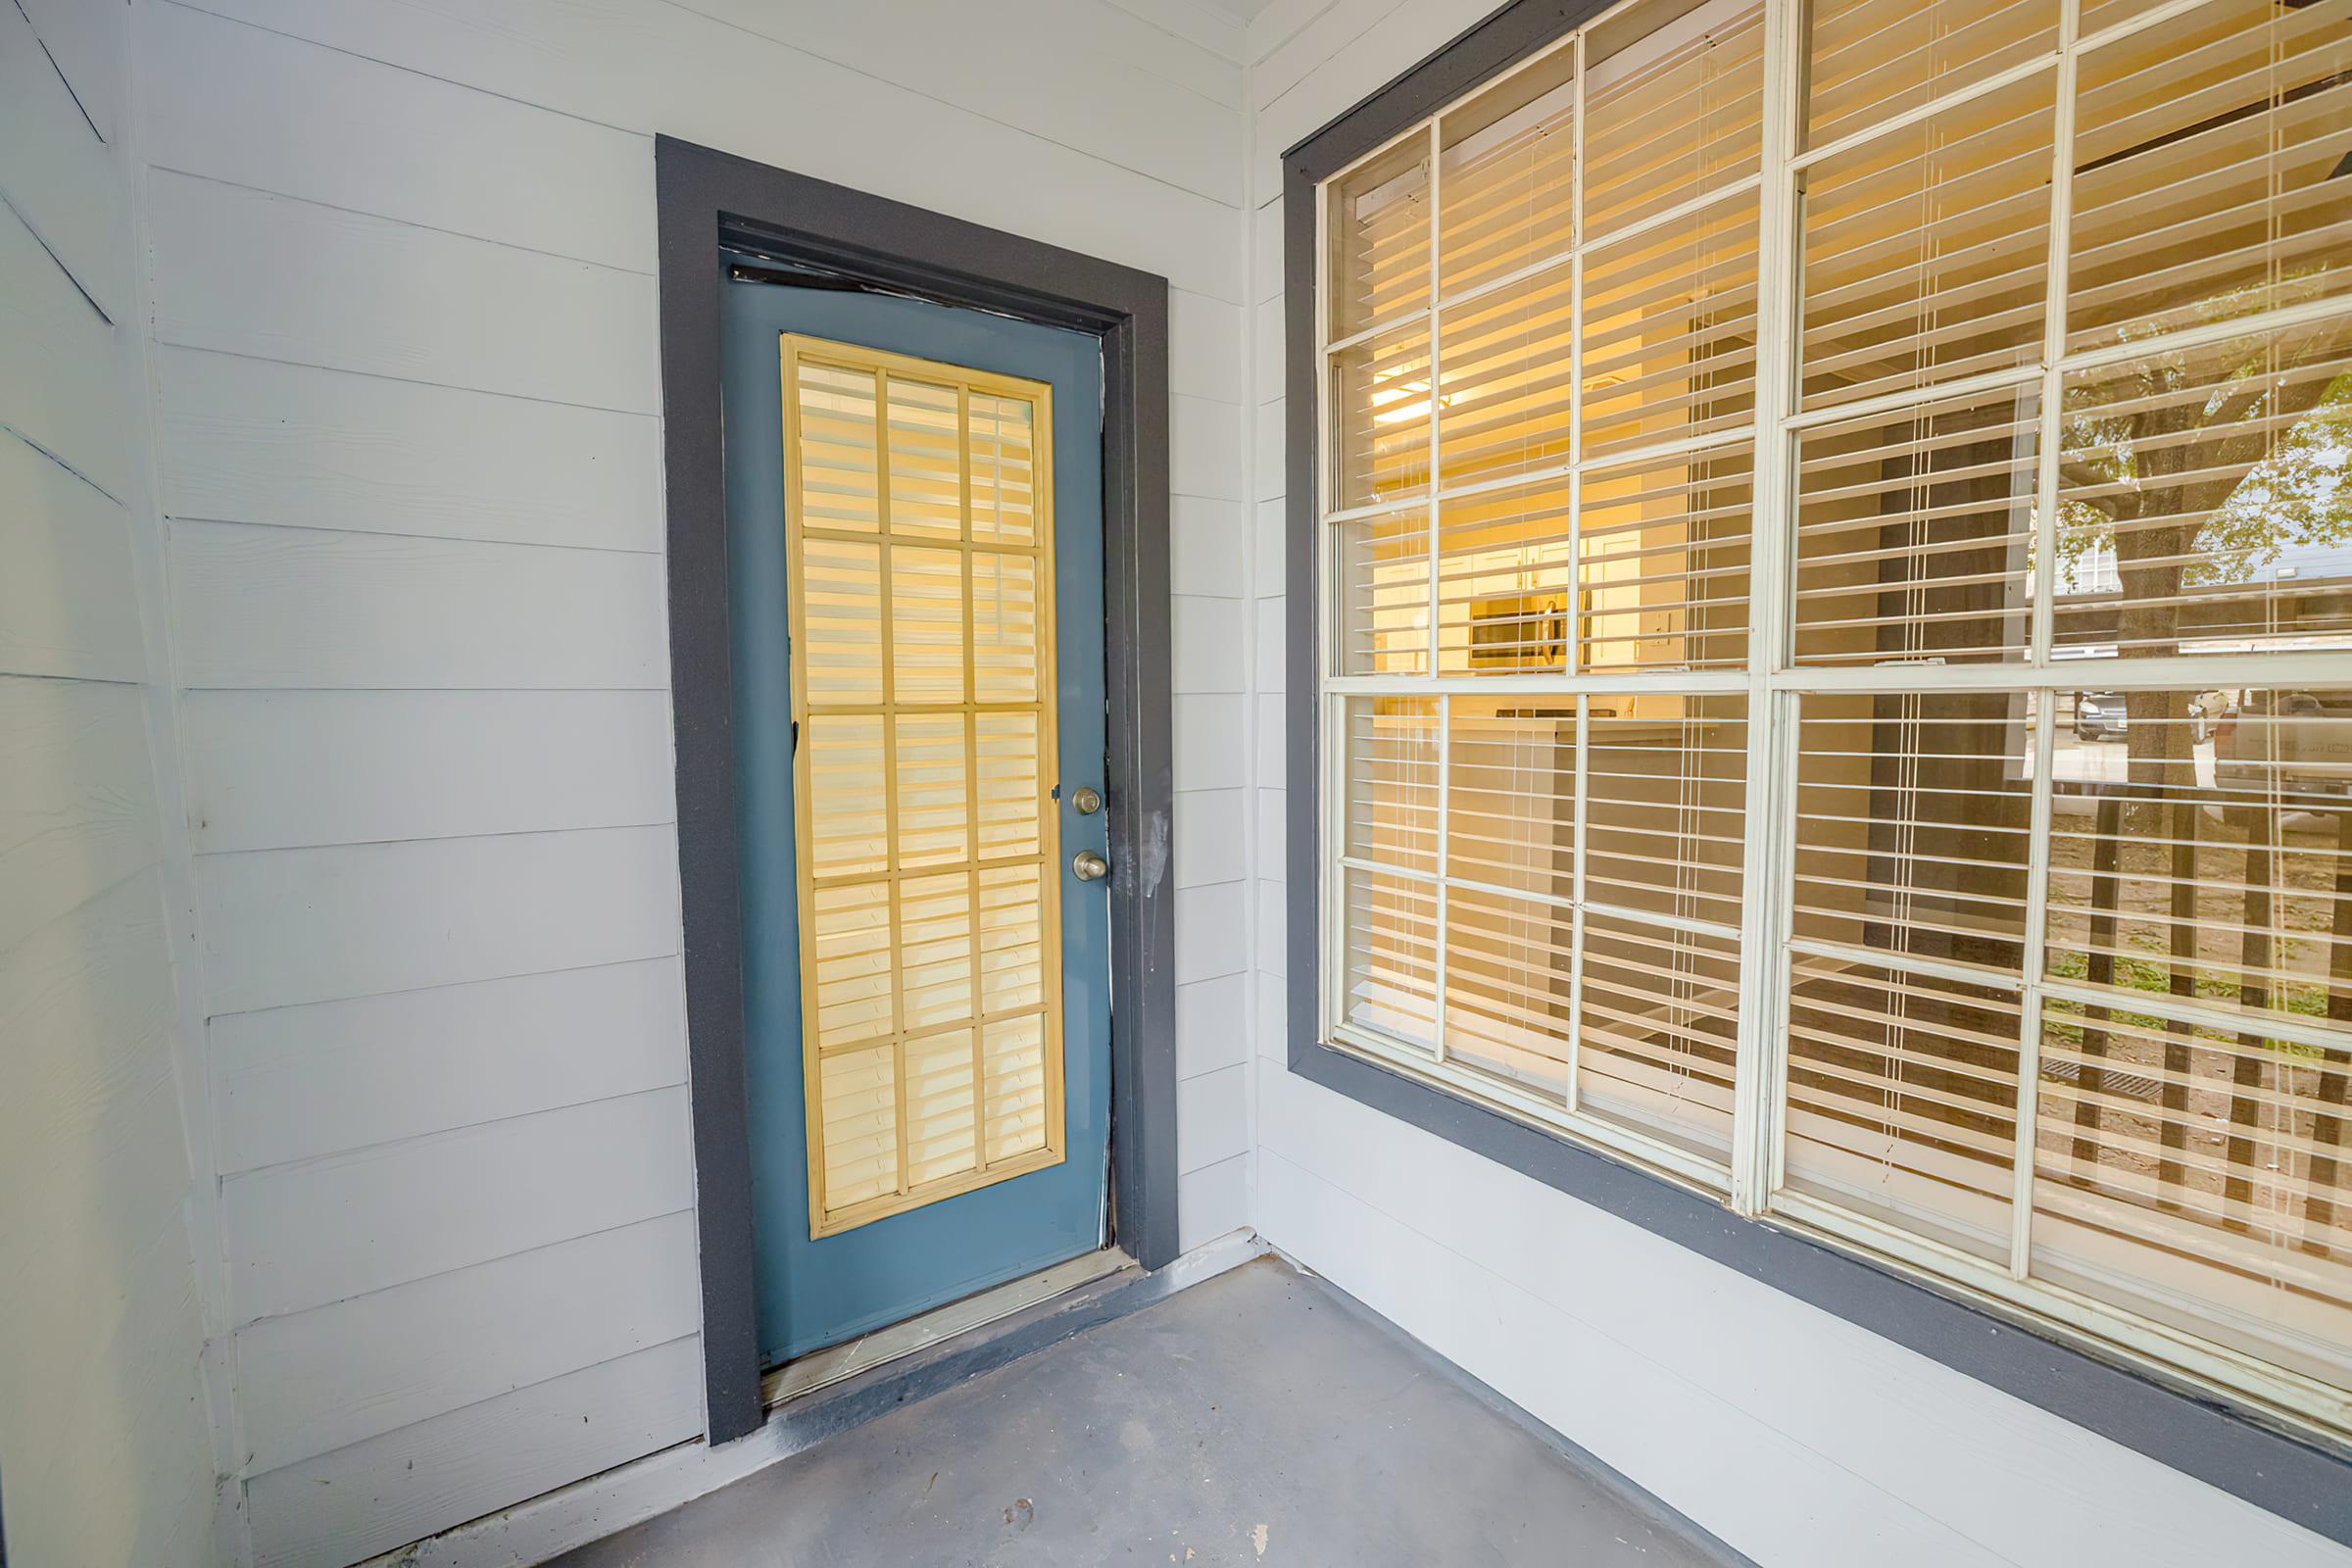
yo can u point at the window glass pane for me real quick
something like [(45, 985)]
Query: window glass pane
[(1383, 593), (1657, 1025), (2208, 169), (1392, 958), (2201, 846), (1875, 59), (1510, 805), (1504, 175), (1914, 816), (1509, 997), (1670, 331), (1673, 107), (1506, 381), (1508, 570), (1378, 225), (1926, 250), (2202, 499), (1665, 801), (1915, 532), (1379, 418), (1903, 1099), (2196, 1174), (1393, 781), (1663, 571)]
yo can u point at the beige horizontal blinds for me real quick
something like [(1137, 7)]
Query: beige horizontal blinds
[(2208, 169), (1902, 1098), (1915, 532), (1673, 109), (2200, 501), (1509, 381), (1914, 818), (1393, 782), (1509, 988), (1506, 169), (2199, 849), (1389, 969), (2192, 1169), (1875, 59), (918, 503), (1379, 236), (1670, 330), (1380, 446), (1863, 598), (1665, 782), (1382, 617), (1506, 578), (1926, 249), (1657, 1030), (1663, 568)]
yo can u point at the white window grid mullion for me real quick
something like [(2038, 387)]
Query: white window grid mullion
[(1330, 983), (1576, 890), (1436, 562), (1926, 109), (1756, 1107), (1573, 620), (2027, 1104), (1437, 578), (2028, 1023), (1726, 440)]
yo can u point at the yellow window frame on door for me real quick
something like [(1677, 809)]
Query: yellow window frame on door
[(919, 504)]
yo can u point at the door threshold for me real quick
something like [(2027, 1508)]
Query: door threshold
[(822, 1368)]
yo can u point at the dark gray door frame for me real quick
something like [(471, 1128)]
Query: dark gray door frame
[(708, 201)]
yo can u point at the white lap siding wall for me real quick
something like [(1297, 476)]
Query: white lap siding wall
[(409, 435), (106, 1454)]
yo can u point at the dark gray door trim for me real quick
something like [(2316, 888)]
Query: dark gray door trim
[(708, 201), (2234, 1448)]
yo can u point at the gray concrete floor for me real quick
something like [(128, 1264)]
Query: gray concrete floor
[(1257, 1419)]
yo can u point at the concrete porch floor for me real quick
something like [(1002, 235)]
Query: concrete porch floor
[(1258, 1418)]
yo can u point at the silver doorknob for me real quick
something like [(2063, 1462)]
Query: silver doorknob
[(1088, 866)]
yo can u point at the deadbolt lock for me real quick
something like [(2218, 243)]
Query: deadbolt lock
[(1086, 800), (1088, 866)]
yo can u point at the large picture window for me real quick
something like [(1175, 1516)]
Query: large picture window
[(1834, 638)]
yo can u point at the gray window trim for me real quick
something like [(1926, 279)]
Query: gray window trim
[(2231, 1447)]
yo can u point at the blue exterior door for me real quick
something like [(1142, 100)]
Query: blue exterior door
[(813, 1291)]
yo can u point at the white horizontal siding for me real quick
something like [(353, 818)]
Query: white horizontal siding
[(244, 272), (1213, 1202), (410, 452), (89, 1126), (63, 608), (1794, 1435), (62, 388), (277, 769), (287, 926), (78, 811), (57, 176), (652, 67), (307, 607), (243, 440), (293, 1083), (301, 1236), (318, 1381), (378, 1494), (85, 41), (392, 143)]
